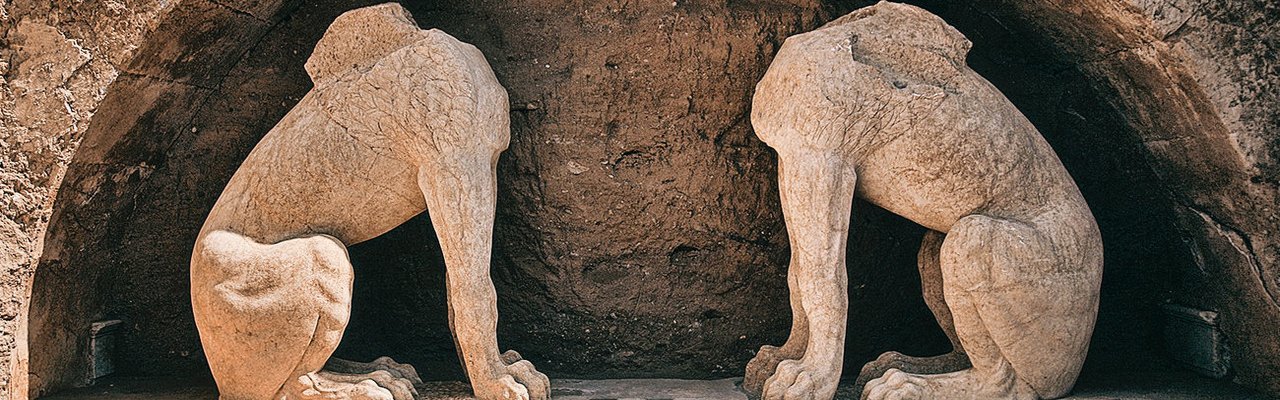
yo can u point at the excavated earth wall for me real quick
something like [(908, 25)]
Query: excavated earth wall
[(638, 227)]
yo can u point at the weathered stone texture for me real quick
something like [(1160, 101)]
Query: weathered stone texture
[(637, 220), (1231, 50), (113, 164), (56, 62), (400, 120), (882, 101)]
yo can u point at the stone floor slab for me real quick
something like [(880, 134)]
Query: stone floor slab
[(1165, 386)]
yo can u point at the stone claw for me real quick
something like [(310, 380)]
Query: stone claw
[(517, 379), (399, 370), (510, 357), (760, 368), (894, 385), (797, 380), (331, 386)]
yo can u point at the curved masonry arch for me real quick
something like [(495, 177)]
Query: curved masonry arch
[(166, 112), (148, 108)]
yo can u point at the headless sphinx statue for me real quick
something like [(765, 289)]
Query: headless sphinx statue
[(401, 120), (880, 104)]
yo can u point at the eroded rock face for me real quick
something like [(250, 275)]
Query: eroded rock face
[(56, 61)]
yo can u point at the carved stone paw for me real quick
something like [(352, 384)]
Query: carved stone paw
[(880, 366), (516, 379), (950, 362), (1001, 384), (399, 386), (386, 364), (800, 380), (760, 368), (398, 370), (378, 385), (895, 385)]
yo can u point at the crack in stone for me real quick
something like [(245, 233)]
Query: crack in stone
[(237, 11), (124, 72), (1247, 250)]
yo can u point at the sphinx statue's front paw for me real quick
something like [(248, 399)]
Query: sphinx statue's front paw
[(378, 385), (801, 380), (1001, 384), (514, 379), (895, 385), (950, 362), (760, 368)]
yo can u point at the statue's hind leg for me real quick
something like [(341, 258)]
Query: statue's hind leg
[(1021, 311), (271, 315), (930, 266)]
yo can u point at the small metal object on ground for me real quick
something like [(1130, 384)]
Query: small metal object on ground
[(103, 337), (1193, 338)]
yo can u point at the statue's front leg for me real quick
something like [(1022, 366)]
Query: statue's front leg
[(461, 194), (767, 359), (816, 188)]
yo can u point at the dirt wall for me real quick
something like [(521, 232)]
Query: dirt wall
[(638, 225)]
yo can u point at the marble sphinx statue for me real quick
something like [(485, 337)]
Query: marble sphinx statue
[(880, 104), (877, 104), (400, 120)]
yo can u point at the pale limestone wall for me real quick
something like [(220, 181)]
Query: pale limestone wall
[(1231, 51), (56, 62)]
